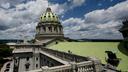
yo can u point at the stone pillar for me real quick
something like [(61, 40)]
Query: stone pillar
[(97, 64), (53, 29), (39, 30), (58, 29), (74, 66), (47, 30)]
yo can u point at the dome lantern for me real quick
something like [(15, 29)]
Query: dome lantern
[(48, 9)]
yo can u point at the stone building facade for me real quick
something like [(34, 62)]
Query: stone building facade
[(36, 58)]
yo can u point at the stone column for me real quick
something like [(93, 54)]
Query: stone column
[(97, 64), (74, 66)]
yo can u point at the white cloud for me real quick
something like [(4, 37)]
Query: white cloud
[(77, 2), (17, 17), (23, 17), (103, 23), (5, 5), (62, 8), (113, 13)]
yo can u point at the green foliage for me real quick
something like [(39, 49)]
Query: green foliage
[(5, 51)]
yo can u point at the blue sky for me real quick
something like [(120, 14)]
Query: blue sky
[(87, 6), (97, 19)]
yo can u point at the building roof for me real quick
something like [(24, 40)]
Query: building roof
[(49, 16), (94, 49)]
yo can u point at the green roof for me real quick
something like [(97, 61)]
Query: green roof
[(49, 16), (94, 49)]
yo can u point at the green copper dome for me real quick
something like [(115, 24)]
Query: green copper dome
[(49, 16)]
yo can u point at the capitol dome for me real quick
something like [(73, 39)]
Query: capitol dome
[(49, 26)]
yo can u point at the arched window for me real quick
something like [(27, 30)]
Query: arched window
[(44, 28), (36, 65), (37, 58), (50, 29), (60, 29), (55, 29)]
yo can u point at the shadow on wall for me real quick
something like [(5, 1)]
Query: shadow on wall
[(122, 48)]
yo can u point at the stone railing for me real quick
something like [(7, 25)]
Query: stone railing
[(66, 56), (76, 63), (86, 66)]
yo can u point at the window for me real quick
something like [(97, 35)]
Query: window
[(55, 29), (27, 66), (44, 28), (27, 58), (36, 65), (60, 29), (44, 59), (16, 60), (50, 29), (36, 58)]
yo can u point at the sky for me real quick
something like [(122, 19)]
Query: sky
[(90, 19)]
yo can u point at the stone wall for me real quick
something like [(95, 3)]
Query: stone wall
[(86, 66), (47, 61), (66, 56)]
